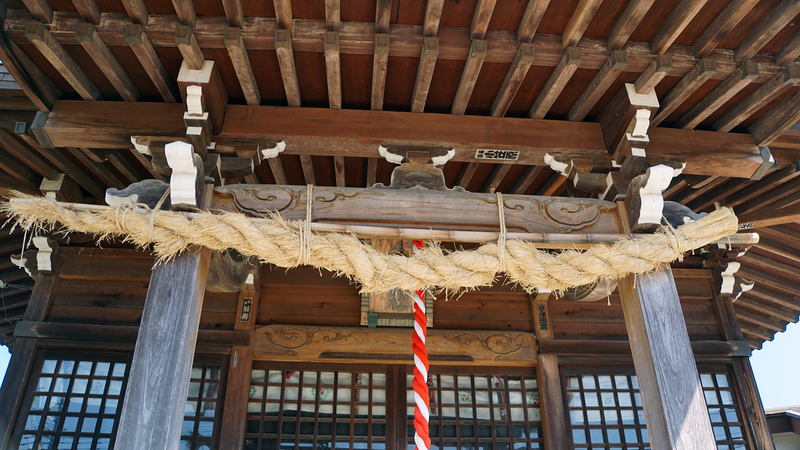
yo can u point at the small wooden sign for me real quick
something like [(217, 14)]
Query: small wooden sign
[(246, 304), (497, 155)]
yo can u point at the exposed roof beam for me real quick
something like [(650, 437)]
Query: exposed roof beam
[(186, 12), (332, 15), (719, 96), (433, 15), (148, 166), (98, 169), (583, 14), (26, 156), (108, 64), (34, 83), (531, 20), (770, 280), (711, 183), (115, 158), (789, 52), (466, 174), (26, 179), (241, 64), (526, 179), (333, 69), (498, 173), (258, 34), (756, 319), (780, 82), (722, 25), (40, 9), (383, 15), (137, 11), (607, 74), (427, 63), (769, 26), (718, 194), (555, 84), (190, 50), (627, 23), (760, 188), (691, 82), (372, 171), (746, 302), (776, 121), (675, 24), (283, 46), (88, 10), (234, 12), (470, 76), (49, 47), (514, 78), (308, 169), (283, 13), (775, 266), (763, 294), (151, 62), (380, 65), (338, 167), (278, 173), (481, 18), (655, 72), (552, 185)]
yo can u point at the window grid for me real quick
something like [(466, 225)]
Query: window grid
[(202, 408), (75, 403), (315, 409), (605, 412), (497, 412)]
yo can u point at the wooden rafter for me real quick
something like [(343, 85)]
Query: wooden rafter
[(627, 23), (234, 12), (655, 72), (277, 170), (283, 13), (768, 200), (531, 20), (333, 70), (380, 65), (427, 63), (291, 85), (675, 24), (189, 48), (241, 64), (470, 76), (466, 174), (719, 96), (338, 166), (308, 169), (258, 34), (138, 41), (607, 74), (767, 29), (481, 18), (566, 67), (98, 169), (722, 25), (514, 78), (761, 187), (783, 80), (789, 52), (583, 14), (332, 14), (40, 9), (691, 82), (186, 12), (433, 15), (718, 194), (26, 156), (88, 10), (105, 60), (498, 173), (38, 35), (372, 171), (776, 121), (137, 11), (526, 179)]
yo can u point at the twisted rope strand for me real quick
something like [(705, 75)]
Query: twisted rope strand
[(421, 394), (275, 241)]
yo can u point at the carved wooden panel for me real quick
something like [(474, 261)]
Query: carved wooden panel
[(422, 208), (323, 344)]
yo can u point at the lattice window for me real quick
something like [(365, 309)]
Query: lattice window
[(200, 428), (303, 409), (498, 412), (73, 402), (605, 412)]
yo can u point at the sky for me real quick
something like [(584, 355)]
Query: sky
[(776, 366)]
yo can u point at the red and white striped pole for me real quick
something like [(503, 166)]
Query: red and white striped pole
[(421, 396)]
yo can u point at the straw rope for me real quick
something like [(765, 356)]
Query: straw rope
[(278, 242)]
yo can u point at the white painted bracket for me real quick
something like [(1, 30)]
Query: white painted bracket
[(194, 101), (391, 157), (556, 165), (645, 202), (141, 148), (440, 160), (740, 287), (640, 124), (44, 257), (187, 176), (273, 152), (728, 281)]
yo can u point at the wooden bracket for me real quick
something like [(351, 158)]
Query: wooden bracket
[(198, 127), (624, 109), (644, 201), (272, 149), (724, 276), (740, 286), (214, 94), (27, 261), (768, 164), (228, 271), (62, 189), (188, 175), (48, 257), (147, 192)]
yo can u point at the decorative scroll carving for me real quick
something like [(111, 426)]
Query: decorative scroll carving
[(645, 203), (422, 208), (148, 192), (188, 174), (296, 343)]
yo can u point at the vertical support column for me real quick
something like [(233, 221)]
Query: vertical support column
[(549, 378), (674, 406), (755, 419), (238, 388), (24, 351), (162, 361)]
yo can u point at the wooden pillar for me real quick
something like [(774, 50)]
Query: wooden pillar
[(24, 351), (153, 410), (238, 387), (674, 406), (554, 420), (753, 416)]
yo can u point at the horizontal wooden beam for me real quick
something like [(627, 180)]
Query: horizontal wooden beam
[(314, 131), (357, 38), (623, 348), (393, 346)]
